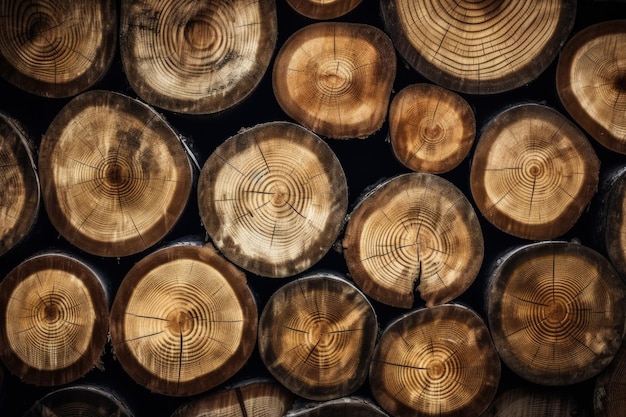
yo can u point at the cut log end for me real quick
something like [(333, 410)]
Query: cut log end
[(322, 10), (82, 400)]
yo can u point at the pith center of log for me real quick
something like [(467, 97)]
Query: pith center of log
[(180, 322), (199, 34)]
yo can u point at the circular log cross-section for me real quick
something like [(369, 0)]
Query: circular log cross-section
[(526, 401), (322, 10), (54, 314), (79, 401), (19, 185), (414, 232), (431, 129), (317, 335), (115, 177), (273, 198), (257, 399), (591, 82), (608, 398), (56, 48), (183, 320), (196, 57), (533, 172), (479, 46), (437, 361), (335, 78), (556, 312)]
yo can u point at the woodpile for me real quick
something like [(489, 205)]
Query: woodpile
[(303, 208)]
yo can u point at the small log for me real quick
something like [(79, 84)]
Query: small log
[(608, 398), (79, 401), (183, 320), (482, 47), (314, 9), (115, 176), (342, 407), (431, 129), (591, 82), (556, 312), (413, 232), (317, 335), (54, 313), (273, 198), (533, 172), (437, 361), (56, 49), (258, 399), (532, 401), (20, 193), (612, 221), (335, 78), (196, 57)]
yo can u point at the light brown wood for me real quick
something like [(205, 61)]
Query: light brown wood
[(56, 48), (608, 395), (183, 320), (431, 129), (525, 401), (533, 172), (249, 399), (20, 193), (317, 336), (341, 407), (437, 361), (273, 198), (413, 233), (591, 82), (79, 401), (196, 57), (479, 47), (335, 78), (115, 177), (323, 9), (556, 312), (54, 319)]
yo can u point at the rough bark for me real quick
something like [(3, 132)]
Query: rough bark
[(314, 9), (335, 78), (347, 406), (556, 312), (54, 313), (196, 57), (413, 232), (533, 172), (273, 198), (115, 177), (437, 361), (79, 401)]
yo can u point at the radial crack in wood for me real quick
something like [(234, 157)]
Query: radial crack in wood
[(335, 78), (413, 232), (323, 9)]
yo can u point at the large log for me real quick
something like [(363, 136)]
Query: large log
[(196, 57), (479, 47), (556, 312), (80, 401), (273, 198), (437, 361), (115, 176), (413, 232), (322, 10), (54, 314), (317, 336), (335, 78), (183, 320), (56, 48), (533, 172)]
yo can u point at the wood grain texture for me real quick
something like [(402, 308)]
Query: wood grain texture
[(79, 401), (323, 9)]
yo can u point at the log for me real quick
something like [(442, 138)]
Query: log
[(524, 401), (591, 82), (533, 172), (56, 48), (556, 312), (54, 312), (115, 176), (341, 407), (317, 335), (198, 57), (431, 129), (183, 320), (273, 198), (20, 192), (252, 398), (413, 232), (335, 78), (611, 221), (608, 395), (479, 47), (80, 401), (314, 9), (437, 361)]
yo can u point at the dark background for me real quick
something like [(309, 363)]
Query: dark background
[(365, 162)]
